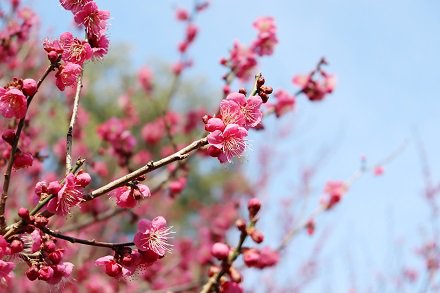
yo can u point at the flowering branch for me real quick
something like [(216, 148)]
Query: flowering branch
[(151, 166), (349, 182), (69, 142), (14, 145)]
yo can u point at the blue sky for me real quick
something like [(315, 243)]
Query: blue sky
[(385, 55)]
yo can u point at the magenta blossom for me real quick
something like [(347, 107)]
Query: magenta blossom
[(75, 50), (67, 75), (12, 103), (93, 19), (231, 141), (70, 194), (153, 235), (128, 196), (230, 113), (99, 45), (250, 108), (6, 271), (73, 5)]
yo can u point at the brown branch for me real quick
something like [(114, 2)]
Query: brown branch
[(113, 246), (149, 167)]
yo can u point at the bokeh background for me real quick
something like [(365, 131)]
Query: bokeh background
[(385, 57)]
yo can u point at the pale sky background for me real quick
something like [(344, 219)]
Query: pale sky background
[(385, 55)]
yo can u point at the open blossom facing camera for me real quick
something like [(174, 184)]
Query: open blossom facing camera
[(229, 129), (153, 235)]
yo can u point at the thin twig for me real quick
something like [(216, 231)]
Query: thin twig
[(149, 167), (84, 241), (69, 136)]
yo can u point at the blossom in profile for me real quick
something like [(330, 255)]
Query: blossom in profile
[(93, 19), (128, 196), (153, 235), (12, 103), (6, 273), (67, 75)]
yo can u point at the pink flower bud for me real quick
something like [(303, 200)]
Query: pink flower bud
[(45, 273), (23, 213), (254, 206), (40, 187), (251, 257), (83, 179), (52, 56), (49, 246), (56, 256), (29, 87), (220, 250), (113, 269), (241, 225), (16, 246), (257, 236), (54, 187), (23, 160), (8, 136)]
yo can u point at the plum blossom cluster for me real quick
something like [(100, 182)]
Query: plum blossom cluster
[(64, 196), (252, 257), (121, 141), (333, 193), (229, 128), (242, 59), (17, 32), (237, 114), (73, 51), (317, 84), (191, 31), (128, 196), (152, 242)]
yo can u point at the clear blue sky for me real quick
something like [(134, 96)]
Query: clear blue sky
[(386, 58)]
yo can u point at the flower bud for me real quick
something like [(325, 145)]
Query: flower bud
[(254, 205), (16, 246), (56, 256), (257, 236), (49, 246), (52, 56), (54, 187), (8, 136), (220, 250), (241, 225), (32, 273), (29, 87), (24, 214), (45, 273)]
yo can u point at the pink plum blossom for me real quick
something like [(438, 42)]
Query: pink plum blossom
[(12, 103), (231, 141), (153, 235), (128, 196)]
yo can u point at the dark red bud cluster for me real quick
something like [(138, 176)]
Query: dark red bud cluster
[(262, 90)]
